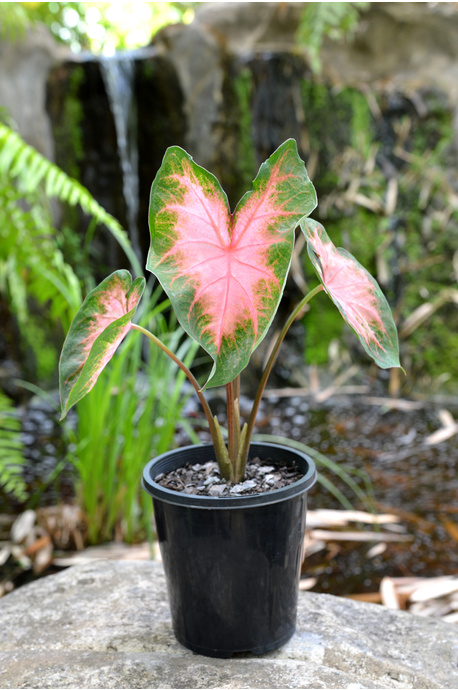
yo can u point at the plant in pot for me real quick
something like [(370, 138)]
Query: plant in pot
[(232, 560)]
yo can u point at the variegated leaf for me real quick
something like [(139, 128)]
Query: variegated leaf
[(225, 273), (97, 330), (356, 294)]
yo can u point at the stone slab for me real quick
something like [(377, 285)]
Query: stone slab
[(106, 624)]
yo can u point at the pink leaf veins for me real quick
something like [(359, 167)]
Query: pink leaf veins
[(225, 272), (356, 294), (95, 334)]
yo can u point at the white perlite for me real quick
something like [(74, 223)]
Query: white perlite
[(106, 624)]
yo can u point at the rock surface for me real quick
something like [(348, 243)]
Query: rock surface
[(107, 625), (26, 63)]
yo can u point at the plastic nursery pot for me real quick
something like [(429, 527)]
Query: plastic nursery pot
[(232, 565)]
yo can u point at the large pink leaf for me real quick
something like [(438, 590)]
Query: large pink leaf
[(356, 294), (97, 330), (223, 272)]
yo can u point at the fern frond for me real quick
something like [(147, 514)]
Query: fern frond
[(336, 20), (29, 169), (11, 451)]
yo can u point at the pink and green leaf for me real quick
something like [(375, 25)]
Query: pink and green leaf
[(225, 273), (97, 330), (356, 294)]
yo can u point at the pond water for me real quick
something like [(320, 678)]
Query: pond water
[(410, 478)]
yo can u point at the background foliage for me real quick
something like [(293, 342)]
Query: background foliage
[(96, 26), (41, 286), (382, 177)]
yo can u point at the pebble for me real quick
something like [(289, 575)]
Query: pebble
[(217, 490), (205, 479), (211, 480), (247, 485)]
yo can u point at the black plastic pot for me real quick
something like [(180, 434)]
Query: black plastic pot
[(232, 564)]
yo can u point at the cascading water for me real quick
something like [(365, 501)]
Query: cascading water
[(118, 75)]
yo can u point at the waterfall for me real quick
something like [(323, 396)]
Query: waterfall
[(118, 75)]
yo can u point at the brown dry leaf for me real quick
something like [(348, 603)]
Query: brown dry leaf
[(328, 535), (360, 199), (371, 597), (312, 546), (37, 545), (376, 550), (441, 435), (396, 404), (286, 392), (314, 379), (425, 310), (5, 553), (434, 589), (307, 583), (391, 196), (324, 517), (43, 558), (451, 527), (446, 418), (388, 594), (23, 526)]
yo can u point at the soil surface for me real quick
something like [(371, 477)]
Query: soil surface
[(206, 480)]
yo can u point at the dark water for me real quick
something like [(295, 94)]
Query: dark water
[(409, 478)]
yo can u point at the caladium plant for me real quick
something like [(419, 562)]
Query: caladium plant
[(224, 274)]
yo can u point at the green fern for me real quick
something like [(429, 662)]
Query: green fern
[(337, 20), (27, 253), (23, 164), (11, 451), (33, 270)]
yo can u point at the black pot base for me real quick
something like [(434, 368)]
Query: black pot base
[(228, 654)]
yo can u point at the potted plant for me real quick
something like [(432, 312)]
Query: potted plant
[(232, 562)]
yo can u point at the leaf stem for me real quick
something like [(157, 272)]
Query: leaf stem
[(268, 368), (208, 413), (233, 423)]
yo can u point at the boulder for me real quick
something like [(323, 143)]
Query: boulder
[(24, 66), (106, 624)]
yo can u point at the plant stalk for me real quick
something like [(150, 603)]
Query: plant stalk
[(233, 424), (212, 422), (267, 370)]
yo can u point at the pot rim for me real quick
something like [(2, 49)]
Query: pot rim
[(174, 459)]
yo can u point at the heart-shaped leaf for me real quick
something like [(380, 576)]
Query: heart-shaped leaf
[(225, 273), (95, 333), (356, 294)]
